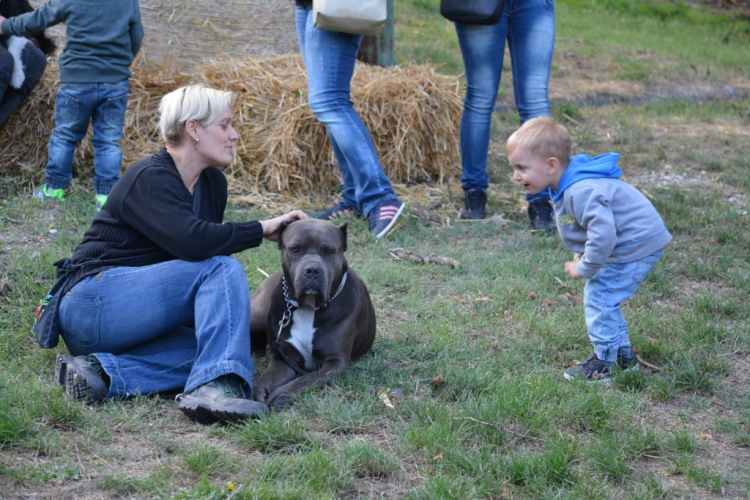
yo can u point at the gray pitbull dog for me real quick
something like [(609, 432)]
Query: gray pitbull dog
[(315, 313)]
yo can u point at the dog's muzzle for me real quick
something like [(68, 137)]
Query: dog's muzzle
[(312, 285)]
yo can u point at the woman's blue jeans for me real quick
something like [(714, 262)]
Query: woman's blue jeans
[(165, 327), (602, 295), (77, 104), (330, 58), (529, 28)]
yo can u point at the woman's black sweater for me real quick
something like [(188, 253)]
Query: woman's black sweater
[(150, 217)]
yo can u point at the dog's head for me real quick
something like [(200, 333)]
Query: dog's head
[(312, 257)]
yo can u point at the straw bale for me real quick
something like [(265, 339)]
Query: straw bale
[(185, 32), (24, 136), (412, 114)]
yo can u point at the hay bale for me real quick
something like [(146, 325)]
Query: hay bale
[(412, 114), (185, 32), (25, 135)]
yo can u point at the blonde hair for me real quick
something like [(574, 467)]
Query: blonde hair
[(192, 102), (543, 137)]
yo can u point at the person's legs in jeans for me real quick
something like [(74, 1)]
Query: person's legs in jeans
[(137, 322), (602, 296), (73, 108), (108, 119), (330, 58), (531, 42), (482, 49)]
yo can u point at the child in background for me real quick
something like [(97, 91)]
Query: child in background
[(103, 38), (615, 233)]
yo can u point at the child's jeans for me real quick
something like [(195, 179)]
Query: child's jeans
[(602, 296), (77, 104)]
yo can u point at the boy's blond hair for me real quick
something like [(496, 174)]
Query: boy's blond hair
[(193, 102), (544, 137)]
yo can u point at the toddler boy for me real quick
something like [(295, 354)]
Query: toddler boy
[(103, 38), (615, 233)]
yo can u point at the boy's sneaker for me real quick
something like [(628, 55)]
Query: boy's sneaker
[(628, 364), (475, 201), (382, 219), (82, 377), (591, 370), (221, 400), (101, 199), (45, 192), (340, 209), (540, 215)]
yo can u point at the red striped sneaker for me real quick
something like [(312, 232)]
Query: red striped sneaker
[(383, 218)]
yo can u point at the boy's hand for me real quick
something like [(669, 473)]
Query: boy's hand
[(570, 268), (1, 24)]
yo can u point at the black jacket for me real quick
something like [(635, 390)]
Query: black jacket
[(149, 217)]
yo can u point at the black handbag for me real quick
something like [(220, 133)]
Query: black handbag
[(472, 11), (46, 321)]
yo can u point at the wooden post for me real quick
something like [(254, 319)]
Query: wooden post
[(379, 51)]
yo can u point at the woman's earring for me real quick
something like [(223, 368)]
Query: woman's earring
[(195, 140)]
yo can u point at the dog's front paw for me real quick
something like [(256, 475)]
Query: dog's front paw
[(279, 400), (260, 394)]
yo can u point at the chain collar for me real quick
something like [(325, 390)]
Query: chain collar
[(291, 304)]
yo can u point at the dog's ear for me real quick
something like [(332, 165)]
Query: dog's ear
[(283, 227), (342, 228)]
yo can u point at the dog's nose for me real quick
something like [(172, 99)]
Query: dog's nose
[(312, 272)]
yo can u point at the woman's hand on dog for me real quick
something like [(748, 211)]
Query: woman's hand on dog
[(271, 227)]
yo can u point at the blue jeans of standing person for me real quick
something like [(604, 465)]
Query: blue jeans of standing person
[(165, 327), (528, 26), (330, 58), (77, 104), (602, 296)]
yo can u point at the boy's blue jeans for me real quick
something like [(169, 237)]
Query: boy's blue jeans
[(602, 295), (163, 327), (528, 26), (77, 104), (330, 58)]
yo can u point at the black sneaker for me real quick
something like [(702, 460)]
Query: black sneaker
[(383, 217), (474, 203), (340, 209), (221, 400), (628, 364), (591, 370), (540, 215), (83, 377)]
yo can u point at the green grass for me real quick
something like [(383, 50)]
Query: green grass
[(636, 40), (499, 330)]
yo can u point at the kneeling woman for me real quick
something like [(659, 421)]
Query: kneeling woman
[(158, 304)]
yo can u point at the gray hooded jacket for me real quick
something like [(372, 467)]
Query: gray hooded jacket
[(603, 218)]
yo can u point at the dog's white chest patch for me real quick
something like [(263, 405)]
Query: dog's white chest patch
[(302, 333)]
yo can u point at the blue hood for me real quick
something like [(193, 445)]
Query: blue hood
[(585, 167)]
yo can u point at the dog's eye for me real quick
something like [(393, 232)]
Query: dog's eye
[(294, 249), (328, 250)]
